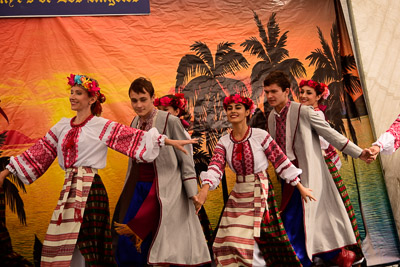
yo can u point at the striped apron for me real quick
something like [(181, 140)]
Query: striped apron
[(241, 220), (63, 230)]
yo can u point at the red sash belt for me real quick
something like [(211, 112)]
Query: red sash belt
[(146, 172), (147, 218)]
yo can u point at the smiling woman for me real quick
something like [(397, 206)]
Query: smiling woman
[(79, 232), (241, 238)]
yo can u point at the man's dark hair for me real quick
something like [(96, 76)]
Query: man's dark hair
[(142, 85), (279, 78)]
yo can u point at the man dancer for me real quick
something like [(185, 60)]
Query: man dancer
[(316, 227), (158, 224)]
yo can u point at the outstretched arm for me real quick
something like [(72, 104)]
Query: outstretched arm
[(322, 128), (389, 141), (212, 177), (179, 144)]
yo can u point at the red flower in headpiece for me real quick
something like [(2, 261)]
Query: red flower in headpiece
[(71, 79), (239, 99), (320, 88), (165, 101), (93, 87)]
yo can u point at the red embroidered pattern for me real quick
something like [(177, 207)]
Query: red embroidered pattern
[(24, 171), (280, 132), (142, 153), (69, 144), (218, 159), (55, 138), (395, 131), (244, 166), (70, 153), (38, 158), (126, 140), (103, 132), (273, 152)]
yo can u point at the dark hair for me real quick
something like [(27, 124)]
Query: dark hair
[(279, 78), (177, 101), (319, 88), (142, 85)]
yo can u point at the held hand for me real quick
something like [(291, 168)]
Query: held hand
[(367, 155), (200, 198), (197, 204), (123, 229), (374, 150), (179, 144), (305, 193)]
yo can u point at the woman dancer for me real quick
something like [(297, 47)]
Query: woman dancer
[(79, 230), (176, 105), (312, 94), (251, 232)]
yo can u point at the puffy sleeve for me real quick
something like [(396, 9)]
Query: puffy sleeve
[(216, 167), (284, 168), (34, 162), (140, 145), (389, 141)]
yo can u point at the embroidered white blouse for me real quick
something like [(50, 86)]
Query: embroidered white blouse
[(256, 149), (389, 141), (84, 145)]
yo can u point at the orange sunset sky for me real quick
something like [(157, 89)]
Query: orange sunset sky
[(38, 53)]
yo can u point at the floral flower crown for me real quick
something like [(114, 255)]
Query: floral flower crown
[(176, 101), (239, 99), (320, 88), (91, 85)]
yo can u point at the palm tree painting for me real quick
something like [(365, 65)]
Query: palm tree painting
[(202, 79), (206, 91), (3, 114), (273, 55), (337, 71), (9, 194)]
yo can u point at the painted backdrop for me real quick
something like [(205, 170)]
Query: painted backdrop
[(204, 49)]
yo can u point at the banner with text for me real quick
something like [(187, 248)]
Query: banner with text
[(53, 8)]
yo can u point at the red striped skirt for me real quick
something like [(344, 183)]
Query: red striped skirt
[(241, 220)]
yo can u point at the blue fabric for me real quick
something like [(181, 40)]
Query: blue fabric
[(328, 256), (126, 254), (292, 218)]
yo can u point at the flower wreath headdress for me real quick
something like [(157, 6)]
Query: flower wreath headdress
[(91, 85), (176, 101), (320, 88), (239, 99)]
